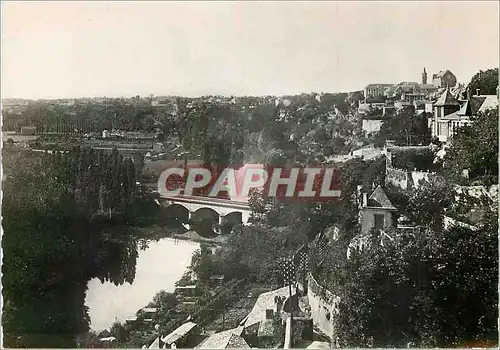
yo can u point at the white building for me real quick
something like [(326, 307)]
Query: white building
[(451, 114)]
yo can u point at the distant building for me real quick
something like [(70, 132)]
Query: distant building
[(409, 91), (376, 90), (424, 77), (186, 291), (105, 134), (28, 130), (444, 79), (216, 280)]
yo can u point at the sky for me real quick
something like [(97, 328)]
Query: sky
[(90, 49)]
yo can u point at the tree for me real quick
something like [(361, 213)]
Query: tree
[(431, 288), (405, 128), (485, 81), (56, 239), (426, 204), (475, 148)]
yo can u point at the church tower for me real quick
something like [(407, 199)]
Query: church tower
[(424, 77)]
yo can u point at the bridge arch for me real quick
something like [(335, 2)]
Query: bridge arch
[(175, 214), (230, 220), (205, 213), (180, 211)]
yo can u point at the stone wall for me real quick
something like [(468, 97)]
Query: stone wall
[(371, 126), (417, 176), (402, 178), (449, 222), (323, 305), (396, 177)]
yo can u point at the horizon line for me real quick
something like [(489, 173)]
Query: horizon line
[(178, 95)]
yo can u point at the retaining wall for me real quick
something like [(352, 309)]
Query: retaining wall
[(323, 305)]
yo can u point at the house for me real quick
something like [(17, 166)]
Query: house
[(444, 79), (376, 211), (444, 106), (451, 114)]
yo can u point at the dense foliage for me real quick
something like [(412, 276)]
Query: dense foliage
[(65, 220), (405, 128), (475, 148), (410, 160), (424, 287), (430, 288), (485, 81)]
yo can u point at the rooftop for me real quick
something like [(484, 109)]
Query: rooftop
[(319, 345), (217, 277), (149, 309), (490, 101), (155, 344), (441, 73), (378, 85), (471, 106), (193, 286), (447, 99), (379, 199), (179, 333), (229, 339), (264, 301)]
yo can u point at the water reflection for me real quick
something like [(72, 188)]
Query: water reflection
[(158, 268)]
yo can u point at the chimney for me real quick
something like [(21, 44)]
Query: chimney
[(468, 93), (358, 194), (279, 305), (388, 159), (477, 92), (365, 200), (269, 314)]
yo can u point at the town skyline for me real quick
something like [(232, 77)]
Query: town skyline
[(78, 50)]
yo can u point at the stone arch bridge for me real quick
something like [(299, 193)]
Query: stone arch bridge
[(222, 211)]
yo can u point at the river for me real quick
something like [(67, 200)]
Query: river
[(158, 268)]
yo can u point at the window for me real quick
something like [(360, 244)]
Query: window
[(379, 221)]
